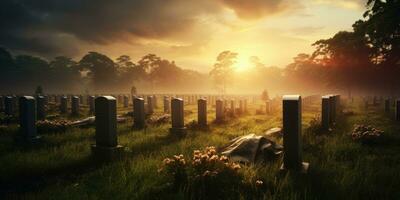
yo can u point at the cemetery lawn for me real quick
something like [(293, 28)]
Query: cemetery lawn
[(60, 167)]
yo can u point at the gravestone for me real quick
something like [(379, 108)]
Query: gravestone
[(15, 102), (241, 109), (155, 102), (232, 107), (292, 146), (375, 101), (387, 105), (325, 112), (166, 104), (106, 147), (126, 101), (338, 105), (120, 99), (245, 106), (9, 106), (202, 112), (41, 108), (177, 117), (267, 107), (75, 105), (150, 105), (1, 103), (219, 111), (91, 103), (397, 111), (139, 115), (64, 104), (27, 119), (332, 109), (80, 99)]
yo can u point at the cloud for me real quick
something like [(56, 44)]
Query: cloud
[(347, 4), (255, 9), (53, 27), (42, 26)]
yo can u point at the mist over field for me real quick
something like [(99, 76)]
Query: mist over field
[(199, 99)]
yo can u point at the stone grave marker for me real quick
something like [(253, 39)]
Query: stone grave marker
[(27, 119), (75, 105), (202, 112), (41, 108), (106, 147), (292, 145), (325, 121), (166, 104), (64, 104), (177, 117), (219, 111), (139, 115)]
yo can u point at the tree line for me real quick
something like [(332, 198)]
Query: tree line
[(364, 59)]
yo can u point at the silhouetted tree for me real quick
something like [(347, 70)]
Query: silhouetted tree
[(100, 68), (223, 69)]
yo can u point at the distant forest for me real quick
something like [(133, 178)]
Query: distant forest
[(364, 59)]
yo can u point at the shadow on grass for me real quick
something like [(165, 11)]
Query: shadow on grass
[(29, 181)]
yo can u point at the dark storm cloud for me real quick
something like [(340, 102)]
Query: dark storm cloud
[(50, 27), (42, 25)]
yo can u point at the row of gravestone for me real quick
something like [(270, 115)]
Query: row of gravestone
[(388, 103), (107, 146)]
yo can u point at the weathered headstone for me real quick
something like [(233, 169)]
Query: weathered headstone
[(332, 109), (338, 105), (267, 107), (75, 105), (219, 111), (126, 101), (64, 104), (397, 112), (139, 115), (202, 112), (232, 107), (1, 103), (166, 104), (325, 121), (9, 106), (81, 99), (245, 106), (387, 105), (41, 108), (241, 109), (106, 147), (91, 103), (177, 117), (292, 146), (150, 105), (15, 102), (155, 102), (120, 99), (27, 117)]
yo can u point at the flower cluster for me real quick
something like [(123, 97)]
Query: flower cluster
[(209, 160), (207, 173), (365, 134), (47, 126)]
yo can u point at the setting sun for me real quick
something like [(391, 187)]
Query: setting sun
[(200, 99), (243, 63)]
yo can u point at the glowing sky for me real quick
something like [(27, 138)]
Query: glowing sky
[(190, 32)]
